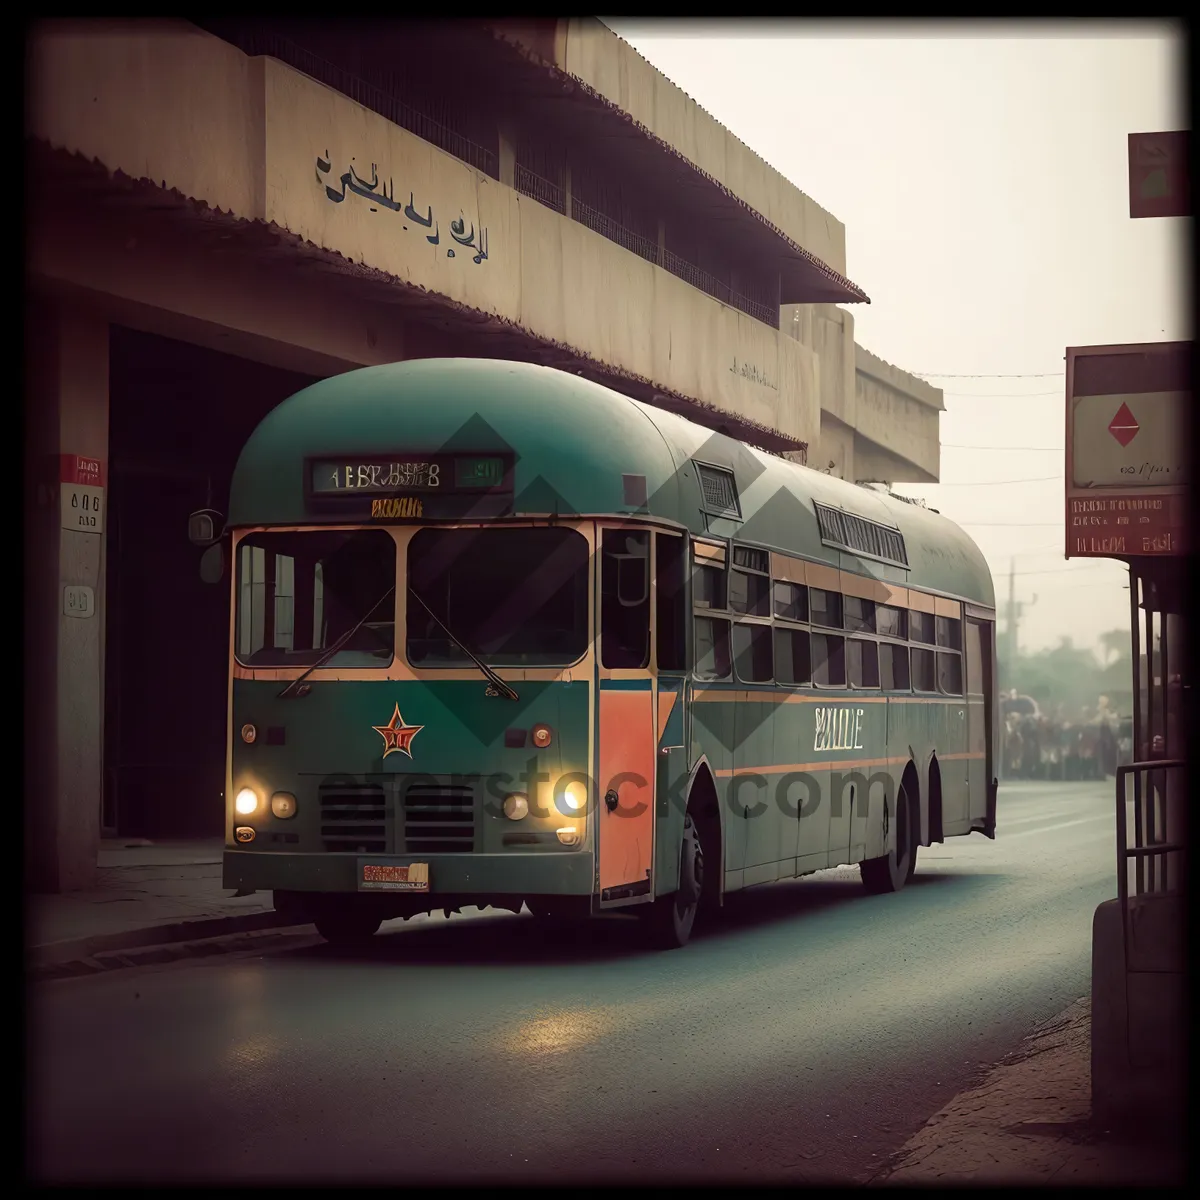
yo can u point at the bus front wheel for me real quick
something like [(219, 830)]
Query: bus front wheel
[(891, 871), (342, 922), (668, 920)]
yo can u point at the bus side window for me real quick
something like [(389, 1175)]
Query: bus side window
[(829, 660), (625, 599), (862, 659), (924, 678), (752, 655), (670, 566), (921, 627), (793, 663), (712, 648), (893, 667), (974, 658), (949, 668)]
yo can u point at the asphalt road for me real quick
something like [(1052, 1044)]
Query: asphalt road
[(806, 1036)]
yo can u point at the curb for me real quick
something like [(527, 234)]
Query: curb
[(155, 943)]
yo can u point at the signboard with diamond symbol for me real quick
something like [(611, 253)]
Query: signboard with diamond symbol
[(1124, 426)]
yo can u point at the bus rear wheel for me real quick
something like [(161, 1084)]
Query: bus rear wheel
[(668, 921), (342, 922), (891, 871)]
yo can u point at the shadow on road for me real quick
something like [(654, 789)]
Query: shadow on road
[(511, 940)]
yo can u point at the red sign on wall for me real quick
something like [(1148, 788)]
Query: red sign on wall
[(74, 468), (1158, 175)]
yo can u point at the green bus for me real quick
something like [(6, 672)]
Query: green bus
[(500, 636)]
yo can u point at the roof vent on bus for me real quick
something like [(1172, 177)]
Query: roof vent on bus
[(719, 491), (860, 536)]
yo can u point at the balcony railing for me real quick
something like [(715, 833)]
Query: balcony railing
[(541, 190), (254, 42)]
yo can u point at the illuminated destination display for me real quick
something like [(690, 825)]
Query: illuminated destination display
[(437, 474)]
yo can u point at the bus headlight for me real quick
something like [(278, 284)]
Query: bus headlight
[(246, 801), (571, 798), (283, 805), (516, 806), (568, 836)]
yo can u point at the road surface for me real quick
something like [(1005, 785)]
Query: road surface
[(804, 1038)]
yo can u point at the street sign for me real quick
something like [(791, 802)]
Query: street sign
[(1158, 175), (1127, 450), (81, 491)]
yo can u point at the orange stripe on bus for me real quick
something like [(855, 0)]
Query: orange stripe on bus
[(831, 765), (742, 695)]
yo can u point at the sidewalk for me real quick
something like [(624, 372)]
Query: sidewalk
[(1029, 1122), (145, 895)]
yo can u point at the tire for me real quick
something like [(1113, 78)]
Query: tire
[(346, 924), (891, 871), (668, 922)]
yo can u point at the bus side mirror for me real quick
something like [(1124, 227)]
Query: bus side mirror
[(203, 527), (212, 563)]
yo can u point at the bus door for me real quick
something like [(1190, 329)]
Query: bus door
[(627, 751), (978, 688), (672, 701)]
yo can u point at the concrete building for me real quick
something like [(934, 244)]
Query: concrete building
[(218, 216)]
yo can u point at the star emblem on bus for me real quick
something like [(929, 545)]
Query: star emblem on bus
[(397, 735)]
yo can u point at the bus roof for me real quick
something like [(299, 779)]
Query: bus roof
[(576, 442)]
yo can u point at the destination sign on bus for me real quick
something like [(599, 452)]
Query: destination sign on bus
[(438, 473)]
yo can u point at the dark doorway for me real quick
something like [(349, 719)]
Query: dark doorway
[(178, 418)]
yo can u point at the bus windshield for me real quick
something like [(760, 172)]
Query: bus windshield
[(299, 592), (514, 597)]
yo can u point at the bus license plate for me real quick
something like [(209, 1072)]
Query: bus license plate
[(386, 877)]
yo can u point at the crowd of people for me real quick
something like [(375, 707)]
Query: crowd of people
[(1088, 744)]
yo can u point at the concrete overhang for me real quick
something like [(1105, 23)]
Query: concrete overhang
[(569, 101), (89, 187)]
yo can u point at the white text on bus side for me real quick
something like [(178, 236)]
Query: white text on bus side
[(838, 729)]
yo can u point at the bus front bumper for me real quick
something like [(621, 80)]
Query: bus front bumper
[(571, 873)]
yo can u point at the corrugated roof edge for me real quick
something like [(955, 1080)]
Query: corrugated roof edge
[(855, 294)]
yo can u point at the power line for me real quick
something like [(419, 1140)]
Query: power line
[(1032, 375), (1000, 395), (1029, 449), (1064, 570)]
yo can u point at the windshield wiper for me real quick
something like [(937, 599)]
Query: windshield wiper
[(501, 687), (324, 658)]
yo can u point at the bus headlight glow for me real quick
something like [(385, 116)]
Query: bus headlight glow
[(516, 806), (283, 805), (572, 798), (246, 801)]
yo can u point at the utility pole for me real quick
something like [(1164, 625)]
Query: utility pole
[(1013, 618)]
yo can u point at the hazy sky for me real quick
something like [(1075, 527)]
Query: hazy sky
[(983, 184)]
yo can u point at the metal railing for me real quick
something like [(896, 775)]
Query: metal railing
[(539, 189), (553, 196), (253, 42), (1158, 865)]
